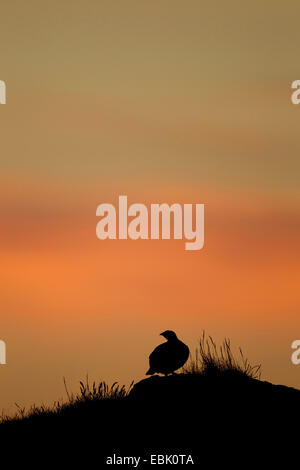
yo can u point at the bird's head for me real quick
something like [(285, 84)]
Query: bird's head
[(169, 335)]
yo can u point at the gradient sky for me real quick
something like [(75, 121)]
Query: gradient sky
[(164, 101)]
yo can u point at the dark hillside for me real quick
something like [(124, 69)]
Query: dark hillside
[(217, 409), (184, 413)]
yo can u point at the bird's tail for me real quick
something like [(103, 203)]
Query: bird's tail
[(150, 371)]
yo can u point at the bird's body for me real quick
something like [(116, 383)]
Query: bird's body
[(168, 356)]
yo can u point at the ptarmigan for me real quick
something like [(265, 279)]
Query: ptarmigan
[(169, 356)]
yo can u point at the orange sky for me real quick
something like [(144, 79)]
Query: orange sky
[(75, 304), (163, 103)]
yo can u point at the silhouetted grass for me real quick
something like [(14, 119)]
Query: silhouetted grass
[(88, 394), (98, 392), (209, 361), (213, 360)]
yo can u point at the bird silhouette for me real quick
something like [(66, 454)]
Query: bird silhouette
[(168, 356)]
